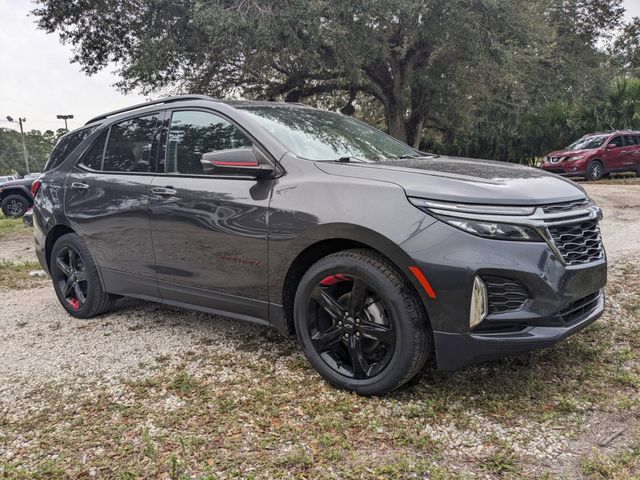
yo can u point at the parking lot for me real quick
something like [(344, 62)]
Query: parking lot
[(159, 392)]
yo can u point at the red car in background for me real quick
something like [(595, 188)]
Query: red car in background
[(596, 155)]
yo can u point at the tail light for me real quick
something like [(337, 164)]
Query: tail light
[(35, 187)]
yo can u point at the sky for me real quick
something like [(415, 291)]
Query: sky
[(38, 80)]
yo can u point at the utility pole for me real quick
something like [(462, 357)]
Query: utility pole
[(65, 118), (24, 142)]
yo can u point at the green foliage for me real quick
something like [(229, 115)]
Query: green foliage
[(489, 78), (39, 146)]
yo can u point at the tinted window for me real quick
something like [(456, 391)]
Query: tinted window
[(615, 142), (93, 157), (321, 135), (193, 133), (129, 145), (628, 140), (65, 146)]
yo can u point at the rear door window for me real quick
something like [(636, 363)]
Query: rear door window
[(65, 146), (93, 157), (129, 145)]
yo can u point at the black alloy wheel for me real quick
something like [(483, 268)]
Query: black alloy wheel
[(71, 277), (76, 280), (360, 324), (350, 327)]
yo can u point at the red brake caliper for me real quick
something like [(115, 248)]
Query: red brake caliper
[(333, 279), (73, 303)]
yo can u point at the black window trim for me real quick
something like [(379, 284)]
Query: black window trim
[(278, 169), (161, 117)]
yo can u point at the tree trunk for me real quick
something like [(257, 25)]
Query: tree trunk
[(414, 128), (397, 125)]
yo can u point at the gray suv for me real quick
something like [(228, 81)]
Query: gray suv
[(374, 255)]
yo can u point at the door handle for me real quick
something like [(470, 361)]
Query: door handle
[(163, 191), (80, 186)]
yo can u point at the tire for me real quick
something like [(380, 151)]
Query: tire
[(76, 280), (595, 170), (360, 324), (14, 206)]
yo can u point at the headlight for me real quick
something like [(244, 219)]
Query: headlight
[(499, 231), (494, 229)]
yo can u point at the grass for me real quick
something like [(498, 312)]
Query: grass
[(615, 179), (16, 275), (10, 227), (262, 412)]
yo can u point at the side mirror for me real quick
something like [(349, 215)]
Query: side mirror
[(239, 161)]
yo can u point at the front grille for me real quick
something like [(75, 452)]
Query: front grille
[(578, 242), (504, 295), (578, 309), (565, 206)]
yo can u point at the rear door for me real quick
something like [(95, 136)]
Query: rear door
[(209, 231), (631, 152), (107, 201)]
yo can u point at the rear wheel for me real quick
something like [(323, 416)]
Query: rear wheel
[(75, 279), (595, 171), (14, 205), (360, 324)]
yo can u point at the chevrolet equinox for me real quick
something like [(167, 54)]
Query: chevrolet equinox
[(376, 256)]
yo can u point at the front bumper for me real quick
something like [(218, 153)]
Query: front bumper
[(451, 259), (566, 169), (459, 349)]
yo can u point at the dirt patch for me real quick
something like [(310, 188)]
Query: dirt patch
[(621, 223), (18, 249)]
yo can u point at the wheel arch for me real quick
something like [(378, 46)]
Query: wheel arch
[(345, 237), (54, 234), (22, 191)]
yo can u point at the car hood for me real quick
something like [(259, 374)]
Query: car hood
[(465, 180), (566, 153)]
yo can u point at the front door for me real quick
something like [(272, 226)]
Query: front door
[(209, 231), (106, 202), (615, 154)]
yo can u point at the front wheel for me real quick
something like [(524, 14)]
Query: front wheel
[(595, 171), (76, 280), (14, 206), (360, 324)]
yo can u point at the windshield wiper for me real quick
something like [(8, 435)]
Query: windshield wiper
[(350, 159), (413, 157)]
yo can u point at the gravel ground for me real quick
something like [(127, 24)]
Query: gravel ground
[(158, 392), (18, 248)]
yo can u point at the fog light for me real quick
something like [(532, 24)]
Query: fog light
[(478, 303)]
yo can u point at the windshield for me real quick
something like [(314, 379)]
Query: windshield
[(588, 143), (321, 135)]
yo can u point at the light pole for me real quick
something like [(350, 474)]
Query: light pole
[(24, 143), (65, 118)]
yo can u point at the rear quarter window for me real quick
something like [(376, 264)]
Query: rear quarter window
[(65, 146)]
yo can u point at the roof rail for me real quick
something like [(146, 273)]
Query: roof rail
[(148, 104)]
